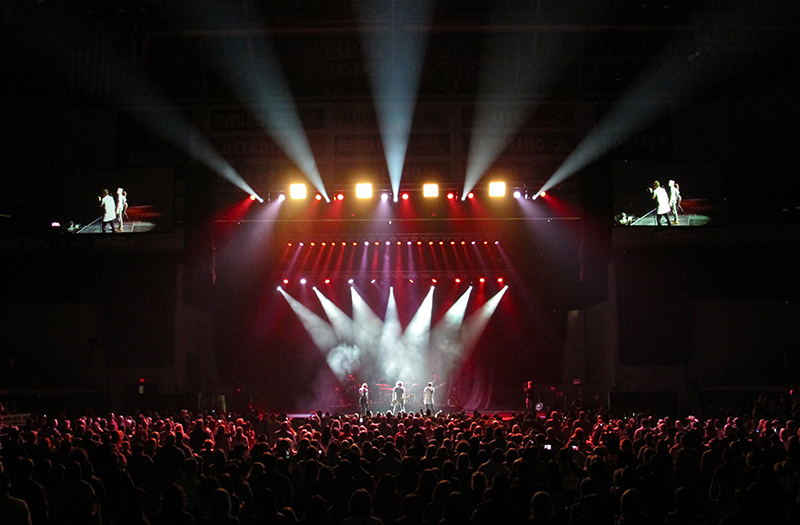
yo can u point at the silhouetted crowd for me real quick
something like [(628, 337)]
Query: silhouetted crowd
[(447, 469)]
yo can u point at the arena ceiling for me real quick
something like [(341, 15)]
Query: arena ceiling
[(584, 49)]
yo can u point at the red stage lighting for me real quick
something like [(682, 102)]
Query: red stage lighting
[(409, 243), (405, 196), (543, 194), (458, 280), (452, 243), (387, 243), (482, 280), (411, 281), (441, 243), (419, 243), (355, 243), (470, 195), (500, 280), (433, 281), (324, 244), (252, 197), (463, 242), (313, 244), (399, 243), (451, 196), (318, 197), (327, 281), (286, 281), (376, 243), (288, 244), (302, 244), (345, 244), (485, 242), (430, 243), (340, 197)]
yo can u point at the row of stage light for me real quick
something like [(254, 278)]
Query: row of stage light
[(365, 191), (389, 243), (433, 281)]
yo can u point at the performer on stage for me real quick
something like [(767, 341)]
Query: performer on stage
[(660, 196), (109, 211), (530, 397), (674, 199), (427, 398), (399, 398), (122, 206), (363, 399)]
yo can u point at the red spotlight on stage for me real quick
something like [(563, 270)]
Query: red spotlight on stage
[(433, 281), (500, 280), (409, 243), (411, 281), (470, 195), (324, 244), (286, 281), (482, 280), (318, 197), (302, 281), (399, 243), (252, 197), (340, 197), (463, 243), (313, 244), (345, 244), (302, 244), (288, 244), (376, 243), (430, 243), (441, 243), (419, 243), (387, 243), (543, 194), (452, 243), (485, 242), (327, 281), (355, 243), (405, 196), (451, 196), (458, 280)]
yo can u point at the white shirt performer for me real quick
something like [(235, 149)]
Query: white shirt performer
[(107, 203), (661, 197), (427, 397), (122, 205), (674, 200)]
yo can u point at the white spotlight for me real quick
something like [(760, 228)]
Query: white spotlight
[(302, 281), (281, 197), (384, 197), (517, 194)]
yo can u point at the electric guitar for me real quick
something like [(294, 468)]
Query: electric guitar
[(402, 401)]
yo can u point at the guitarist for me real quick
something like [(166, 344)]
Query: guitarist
[(399, 398)]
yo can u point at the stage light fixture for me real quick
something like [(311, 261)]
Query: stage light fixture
[(517, 194), (384, 197), (451, 196), (366, 243), (302, 244), (299, 191), (411, 281), (340, 197), (355, 243), (430, 190), (474, 243), (497, 242), (387, 243), (543, 194), (430, 243), (458, 280), (288, 244), (324, 244), (409, 243), (399, 243), (452, 243), (482, 280), (419, 243), (286, 281), (500, 280), (373, 281), (252, 197), (485, 242), (376, 243), (497, 189), (344, 244), (470, 195), (463, 243), (313, 244), (302, 281), (318, 197), (363, 190), (327, 281), (405, 196), (433, 281), (349, 281), (281, 197), (441, 243)]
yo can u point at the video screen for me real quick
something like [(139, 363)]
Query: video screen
[(119, 201), (669, 193)]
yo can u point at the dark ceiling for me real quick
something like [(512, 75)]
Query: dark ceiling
[(577, 49)]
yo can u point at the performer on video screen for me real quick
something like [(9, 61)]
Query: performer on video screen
[(109, 211), (674, 200), (122, 206), (662, 199), (427, 398), (399, 398)]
